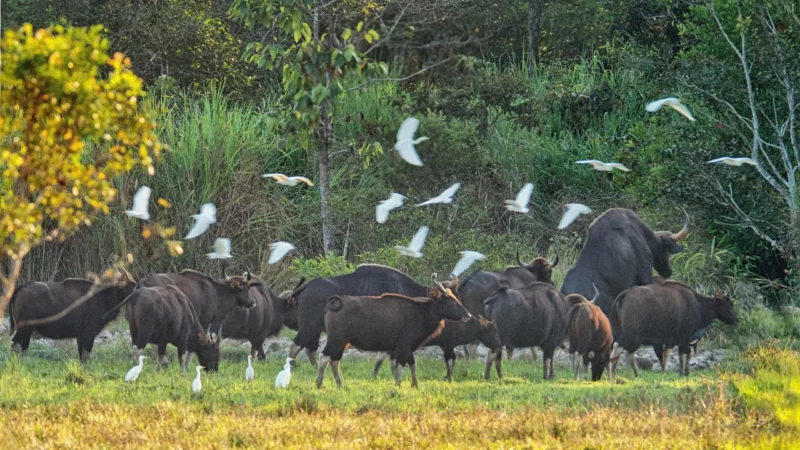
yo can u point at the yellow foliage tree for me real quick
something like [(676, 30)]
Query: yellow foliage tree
[(69, 122)]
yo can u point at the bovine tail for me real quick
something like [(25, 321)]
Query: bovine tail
[(123, 302), (334, 303)]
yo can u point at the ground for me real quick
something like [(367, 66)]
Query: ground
[(50, 400)]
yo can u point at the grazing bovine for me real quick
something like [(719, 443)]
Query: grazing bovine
[(533, 315), (270, 313), (590, 337), (620, 252), (668, 314), (212, 299), (37, 300), (164, 315), (455, 333), (367, 280), (389, 323)]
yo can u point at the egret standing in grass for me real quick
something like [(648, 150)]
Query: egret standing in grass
[(197, 385), (279, 250), (415, 246), (406, 142), (285, 375), (602, 166), (140, 200), (444, 197), (287, 181), (249, 374), (673, 103), (207, 216), (520, 203), (222, 249), (382, 210), (133, 374), (573, 211)]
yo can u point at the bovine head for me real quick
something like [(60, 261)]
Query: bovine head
[(208, 351), (488, 335), (291, 296), (574, 299), (540, 267), (289, 316), (665, 245), (724, 309), (446, 304), (239, 286)]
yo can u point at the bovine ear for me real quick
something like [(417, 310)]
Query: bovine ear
[(435, 293), (720, 296), (672, 246)]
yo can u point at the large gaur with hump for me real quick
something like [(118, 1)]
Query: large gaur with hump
[(620, 252)]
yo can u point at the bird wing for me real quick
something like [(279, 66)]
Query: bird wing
[(451, 191), (407, 129), (619, 166), (430, 201), (524, 195), (382, 212), (276, 176), (279, 250), (408, 153), (748, 161), (303, 179), (141, 199), (210, 211), (396, 199), (419, 239), (657, 104), (573, 211), (681, 108), (589, 161), (467, 259), (222, 246), (200, 226), (719, 160)]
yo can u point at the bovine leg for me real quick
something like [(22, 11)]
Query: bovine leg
[(162, 356), (534, 354), (136, 353), (585, 369), (471, 350), (449, 361), (399, 375), (335, 370), (545, 368), (394, 367), (664, 358), (21, 341), (510, 353), (294, 350), (378, 361), (323, 364), (616, 351), (575, 364), (253, 351), (86, 348), (552, 369), (414, 382), (632, 360), (608, 370), (490, 357), (312, 356), (684, 364)]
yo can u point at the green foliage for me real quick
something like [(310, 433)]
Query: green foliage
[(329, 266)]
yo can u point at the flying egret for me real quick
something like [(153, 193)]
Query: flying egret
[(287, 181), (415, 245), (468, 257), (249, 374), (133, 374), (207, 216), (444, 197), (197, 386), (406, 142), (673, 103), (279, 250), (733, 161), (285, 375), (140, 200), (520, 204), (395, 200), (573, 211), (222, 249), (603, 167)]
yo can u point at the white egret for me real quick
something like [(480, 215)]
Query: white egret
[(468, 257), (279, 250), (207, 216), (406, 142), (395, 200), (133, 374), (197, 386), (673, 103), (520, 204), (733, 161), (573, 211), (222, 249), (602, 166), (285, 375), (140, 200), (249, 374), (415, 245), (444, 197), (286, 180)]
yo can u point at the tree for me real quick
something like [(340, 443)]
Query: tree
[(534, 31), (70, 121)]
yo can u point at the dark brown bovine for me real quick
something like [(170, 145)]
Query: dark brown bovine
[(590, 337), (367, 280), (455, 333), (390, 323), (212, 299), (37, 300), (620, 252), (270, 313), (667, 314), (533, 315), (164, 315)]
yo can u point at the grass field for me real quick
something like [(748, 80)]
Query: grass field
[(49, 400)]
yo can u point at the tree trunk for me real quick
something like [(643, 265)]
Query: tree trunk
[(323, 141), (534, 30)]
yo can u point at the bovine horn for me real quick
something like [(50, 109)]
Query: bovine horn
[(555, 261), (299, 283), (519, 261), (248, 275), (435, 278), (224, 275), (681, 235), (596, 294)]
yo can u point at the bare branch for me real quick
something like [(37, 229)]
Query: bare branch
[(746, 219), (408, 77)]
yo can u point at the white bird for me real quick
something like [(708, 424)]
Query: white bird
[(222, 249), (520, 204), (249, 374), (406, 142), (444, 197), (197, 386), (673, 103), (287, 181), (468, 257), (140, 200), (133, 374), (733, 161), (382, 210), (415, 245), (573, 211), (285, 375), (207, 216), (279, 250), (603, 167)]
